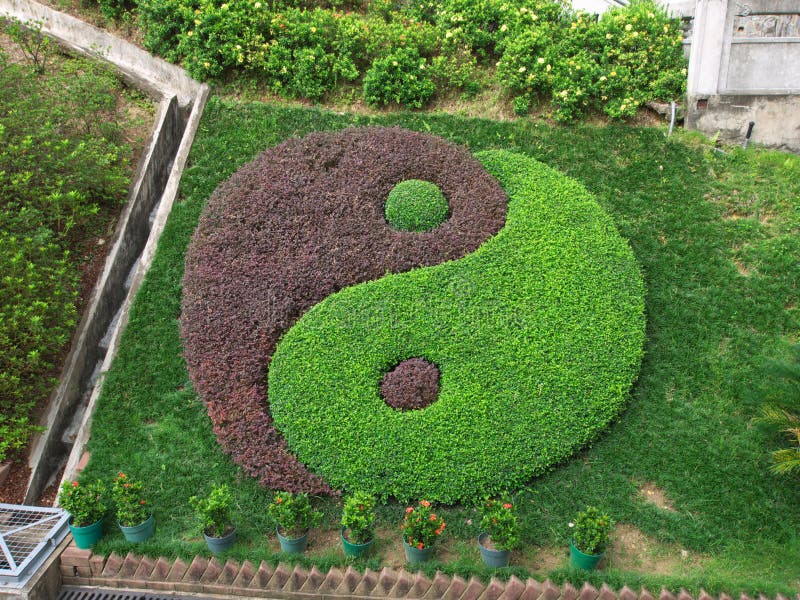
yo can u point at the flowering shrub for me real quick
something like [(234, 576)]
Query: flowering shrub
[(591, 530), (214, 512), (421, 526), (293, 514), (499, 520), (630, 56), (302, 52), (131, 505), (84, 502), (358, 517), (399, 77)]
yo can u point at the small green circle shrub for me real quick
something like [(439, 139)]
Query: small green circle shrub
[(415, 205)]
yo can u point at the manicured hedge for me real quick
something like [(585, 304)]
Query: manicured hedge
[(302, 221), (538, 336)]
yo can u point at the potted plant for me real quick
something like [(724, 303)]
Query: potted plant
[(358, 523), (498, 532), (214, 513), (86, 506), (134, 516), (421, 527), (293, 518), (590, 534)]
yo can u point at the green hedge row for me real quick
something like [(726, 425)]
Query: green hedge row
[(409, 52), (538, 336)]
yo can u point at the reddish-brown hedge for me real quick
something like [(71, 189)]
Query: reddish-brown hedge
[(412, 384), (302, 221)]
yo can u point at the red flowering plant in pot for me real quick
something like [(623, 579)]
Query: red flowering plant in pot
[(134, 514), (421, 528), (85, 503), (499, 531), (293, 516)]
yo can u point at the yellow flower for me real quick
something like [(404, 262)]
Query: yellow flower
[(394, 63), (197, 21), (628, 27), (548, 67), (613, 73), (609, 36), (313, 30), (189, 33), (448, 35)]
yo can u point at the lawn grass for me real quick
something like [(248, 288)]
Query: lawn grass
[(717, 239)]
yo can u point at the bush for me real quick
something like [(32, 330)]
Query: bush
[(400, 77), (358, 517), (415, 205), (37, 316), (499, 520), (591, 531), (84, 502), (59, 162), (631, 56), (131, 505), (293, 514), (214, 512)]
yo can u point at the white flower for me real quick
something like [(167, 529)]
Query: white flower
[(257, 5), (448, 35), (628, 27), (602, 78), (394, 63), (571, 524), (504, 27), (540, 60), (522, 69)]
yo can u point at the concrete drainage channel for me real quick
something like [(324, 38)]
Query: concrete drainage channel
[(151, 196)]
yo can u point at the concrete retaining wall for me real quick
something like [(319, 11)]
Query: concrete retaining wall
[(150, 74)]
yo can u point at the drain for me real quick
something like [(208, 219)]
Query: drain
[(28, 535), (78, 593)]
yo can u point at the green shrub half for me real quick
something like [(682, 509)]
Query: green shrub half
[(538, 336), (415, 205)]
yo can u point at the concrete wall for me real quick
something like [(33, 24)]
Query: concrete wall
[(148, 73), (76, 379), (745, 66)]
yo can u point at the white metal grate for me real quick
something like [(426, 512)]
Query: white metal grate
[(28, 534)]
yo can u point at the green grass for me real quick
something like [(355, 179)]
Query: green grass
[(690, 215)]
